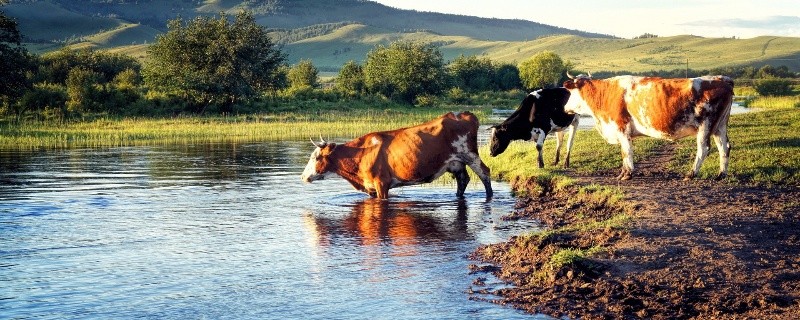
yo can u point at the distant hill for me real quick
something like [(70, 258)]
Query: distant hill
[(332, 32)]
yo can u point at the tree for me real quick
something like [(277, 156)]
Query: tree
[(15, 62), (544, 70), (55, 66), (351, 79), (213, 61), (472, 73), (303, 75), (405, 70), (773, 87), (81, 89), (507, 77)]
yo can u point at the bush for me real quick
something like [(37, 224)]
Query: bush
[(457, 96), (425, 100), (774, 87)]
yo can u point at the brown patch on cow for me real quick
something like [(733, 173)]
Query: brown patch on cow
[(666, 104), (606, 99)]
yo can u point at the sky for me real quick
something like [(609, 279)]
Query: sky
[(630, 18)]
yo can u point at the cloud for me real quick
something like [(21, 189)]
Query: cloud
[(772, 22)]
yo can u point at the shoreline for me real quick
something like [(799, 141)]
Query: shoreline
[(698, 249)]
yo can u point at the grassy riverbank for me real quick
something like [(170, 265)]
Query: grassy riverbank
[(105, 132)]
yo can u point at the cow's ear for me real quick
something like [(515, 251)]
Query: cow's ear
[(533, 113)]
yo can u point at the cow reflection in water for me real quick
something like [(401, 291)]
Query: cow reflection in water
[(397, 223)]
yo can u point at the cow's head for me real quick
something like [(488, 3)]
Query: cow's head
[(576, 82), (499, 138), (319, 164), (576, 102)]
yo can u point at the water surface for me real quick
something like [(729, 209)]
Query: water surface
[(225, 231)]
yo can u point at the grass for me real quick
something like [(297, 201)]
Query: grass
[(765, 145), (590, 153), (106, 132)]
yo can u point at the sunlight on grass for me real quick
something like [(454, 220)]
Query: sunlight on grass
[(285, 126)]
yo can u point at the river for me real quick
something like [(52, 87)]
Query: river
[(228, 231)]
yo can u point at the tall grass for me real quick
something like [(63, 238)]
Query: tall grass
[(775, 102), (267, 127)]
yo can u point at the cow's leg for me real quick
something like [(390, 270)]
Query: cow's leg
[(703, 135), (539, 145), (724, 148), (559, 142), (483, 173), (627, 158), (462, 180), (381, 189), (573, 129)]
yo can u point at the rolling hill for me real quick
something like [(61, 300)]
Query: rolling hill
[(330, 33)]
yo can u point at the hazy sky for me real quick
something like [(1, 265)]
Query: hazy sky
[(629, 18)]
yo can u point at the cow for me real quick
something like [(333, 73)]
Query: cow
[(540, 113), (625, 107), (379, 161)]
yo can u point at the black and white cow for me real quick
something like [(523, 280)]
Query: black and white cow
[(540, 113)]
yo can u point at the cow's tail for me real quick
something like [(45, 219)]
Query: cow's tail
[(725, 105)]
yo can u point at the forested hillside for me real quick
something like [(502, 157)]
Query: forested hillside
[(330, 33)]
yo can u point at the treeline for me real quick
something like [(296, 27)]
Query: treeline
[(221, 65)]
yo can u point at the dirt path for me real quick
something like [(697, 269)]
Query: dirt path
[(725, 250), (697, 249)]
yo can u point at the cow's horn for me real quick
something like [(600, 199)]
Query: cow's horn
[(314, 143), (570, 76), (322, 140), (589, 74)]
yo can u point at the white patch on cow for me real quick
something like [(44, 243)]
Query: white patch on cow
[(536, 133), (310, 172), (375, 141), (461, 144), (576, 104), (536, 93), (697, 84), (626, 82), (555, 128), (609, 131), (457, 113)]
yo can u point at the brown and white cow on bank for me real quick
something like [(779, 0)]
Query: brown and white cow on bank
[(379, 161), (625, 107)]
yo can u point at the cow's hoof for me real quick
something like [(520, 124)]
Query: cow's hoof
[(721, 175), (688, 177), (625, 177)]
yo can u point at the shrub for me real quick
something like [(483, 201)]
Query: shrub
[(774, 87)]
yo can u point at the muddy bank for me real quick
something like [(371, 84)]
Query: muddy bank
[(668, 249)]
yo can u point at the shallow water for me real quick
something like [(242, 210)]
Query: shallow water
[(228, 231)]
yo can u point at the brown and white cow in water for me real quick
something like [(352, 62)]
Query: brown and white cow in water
[(627, 106), (379, 161)]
